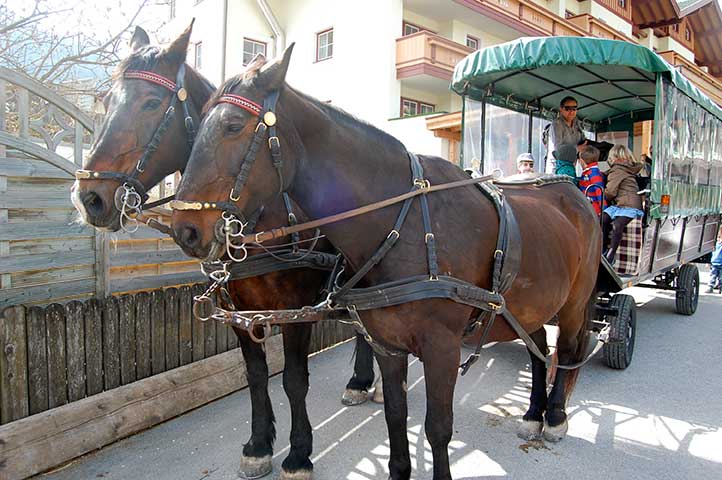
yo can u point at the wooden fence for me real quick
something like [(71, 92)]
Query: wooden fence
[(45, 255), (63, 353)]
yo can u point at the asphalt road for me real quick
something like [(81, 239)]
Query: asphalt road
[(659, 419)]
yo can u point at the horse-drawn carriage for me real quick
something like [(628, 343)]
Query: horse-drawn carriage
[(429, 272), (515, 89)]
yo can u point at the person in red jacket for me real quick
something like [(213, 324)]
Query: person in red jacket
[(591, 182)]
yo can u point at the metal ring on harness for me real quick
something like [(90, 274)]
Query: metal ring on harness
[(267, 330), (202, 302)]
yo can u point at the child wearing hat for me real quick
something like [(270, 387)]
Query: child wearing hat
[(525, 163), (566, 157)]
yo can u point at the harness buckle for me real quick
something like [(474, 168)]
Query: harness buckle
[(274, 144), (393, 232), (429, 236), (261, 126), (496, 306), (232, 195), (498, 253), (422, 183), (433, 278)]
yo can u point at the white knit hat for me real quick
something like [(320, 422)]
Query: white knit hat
[(525, 157)]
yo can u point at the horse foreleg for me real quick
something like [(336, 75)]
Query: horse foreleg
[(441, 364), (533, 420), (358, 386), (296, 341), (571, 347), (394, 371), (256, 458)]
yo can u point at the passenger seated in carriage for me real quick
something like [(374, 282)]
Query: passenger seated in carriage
[(591, 181), (565, 158), (621, 192), (525, 163)]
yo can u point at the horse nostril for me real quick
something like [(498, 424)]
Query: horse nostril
[(93, 203), (189, 236)]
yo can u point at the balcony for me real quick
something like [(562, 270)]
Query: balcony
[(622, 8), (710, 85), (596, 28), (425, 54)]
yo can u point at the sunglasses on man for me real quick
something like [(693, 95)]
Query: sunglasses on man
[(570, 108)]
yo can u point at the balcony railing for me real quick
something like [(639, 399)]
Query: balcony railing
[(623, 8), (701, 79), (594, 27), (427, 53)]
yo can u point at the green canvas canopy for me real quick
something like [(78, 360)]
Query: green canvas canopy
[(607, 77)]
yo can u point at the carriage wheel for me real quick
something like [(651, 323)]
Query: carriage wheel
[(618, 353), (688, 289)]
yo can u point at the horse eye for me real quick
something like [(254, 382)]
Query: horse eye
[(232, 128), (151, 104)]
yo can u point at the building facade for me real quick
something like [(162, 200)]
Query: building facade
[(389, 62)]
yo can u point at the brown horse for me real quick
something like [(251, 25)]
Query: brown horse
[(134, 109), (333, 162)]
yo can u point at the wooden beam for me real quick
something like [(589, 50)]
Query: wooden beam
[(661, 23), (708, 33), (42, 441)]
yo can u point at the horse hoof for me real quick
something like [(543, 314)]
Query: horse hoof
[(530, 430), (555, 434), (354, 397), (297, 475), (255, 467), (378, 396)]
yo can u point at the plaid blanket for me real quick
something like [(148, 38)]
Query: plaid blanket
[(627, 262)]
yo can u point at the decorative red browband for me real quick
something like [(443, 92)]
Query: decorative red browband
[(242, 102), (151, 77)]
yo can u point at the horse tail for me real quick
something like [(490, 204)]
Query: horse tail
[(582, 337)]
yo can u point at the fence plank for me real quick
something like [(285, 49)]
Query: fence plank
[(198, 329), (75, 342), (154, 281), (40, 293), (185, 329), (148, 257), (57, 358), (209, 334), (111, 343), (142, 335), (32, 231), (171, 329), (157, 331), (221, 337), (37, 360), (93, 314), (24, 263), (126, 321), (13, 365)]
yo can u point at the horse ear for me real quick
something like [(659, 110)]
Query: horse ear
[(140, 39), (274, 74), (179, 48)]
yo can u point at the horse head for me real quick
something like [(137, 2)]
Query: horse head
[(244, 156), (147, 131)]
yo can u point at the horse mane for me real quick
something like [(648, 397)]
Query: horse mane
[(334, 113)]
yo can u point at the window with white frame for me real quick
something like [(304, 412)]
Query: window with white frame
[(622, 3), (251, 48), (472, 42), (410, 107), (687, 34), (198, 56), (324, 45), (171, 6), (410, 28)]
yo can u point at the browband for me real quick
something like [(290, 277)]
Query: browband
[(243, 102), (151, 77)]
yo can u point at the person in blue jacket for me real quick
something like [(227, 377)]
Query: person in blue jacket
[(715, 280)]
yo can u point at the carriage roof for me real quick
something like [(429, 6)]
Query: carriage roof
[(607, 77)]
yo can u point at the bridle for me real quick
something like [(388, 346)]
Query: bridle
[(232, 222), (131, 196)]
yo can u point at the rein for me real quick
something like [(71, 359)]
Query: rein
[(131, 195)]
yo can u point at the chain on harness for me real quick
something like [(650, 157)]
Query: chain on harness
[(131, 195)]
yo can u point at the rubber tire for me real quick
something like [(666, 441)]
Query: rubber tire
[(688, 279), (619, 355)]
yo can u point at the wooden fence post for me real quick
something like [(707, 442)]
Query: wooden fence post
[(13, 365)]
